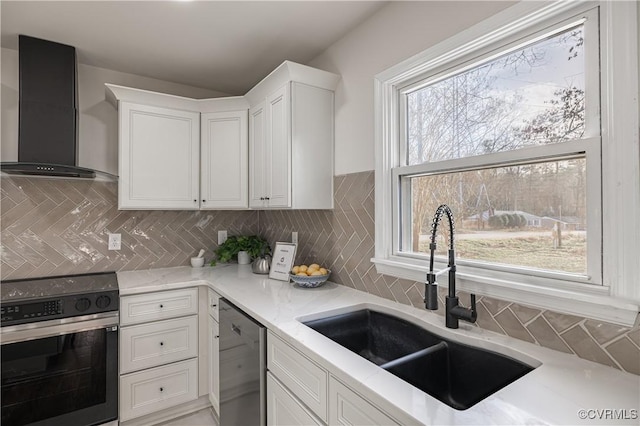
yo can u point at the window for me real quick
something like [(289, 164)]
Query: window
[(464, 145), (515, 124)]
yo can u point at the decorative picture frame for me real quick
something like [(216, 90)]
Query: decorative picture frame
[(282, 261)]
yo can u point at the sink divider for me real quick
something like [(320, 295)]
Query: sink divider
[(414, 355)]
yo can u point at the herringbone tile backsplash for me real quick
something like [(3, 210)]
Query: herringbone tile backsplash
[(57, 227), (60, 226)]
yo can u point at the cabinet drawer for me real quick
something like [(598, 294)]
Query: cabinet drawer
[(299, 374), (153, 344), (156, 306), (283, 409), (158, 388), (214, 299), (349, 408)]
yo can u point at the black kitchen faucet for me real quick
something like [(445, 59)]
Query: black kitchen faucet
[(454, 312)]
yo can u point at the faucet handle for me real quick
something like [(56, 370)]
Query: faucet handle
[(474, 311)]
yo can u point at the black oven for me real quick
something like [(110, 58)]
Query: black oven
[(59, 359)]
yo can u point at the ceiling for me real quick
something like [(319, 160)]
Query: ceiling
[(226, 46)]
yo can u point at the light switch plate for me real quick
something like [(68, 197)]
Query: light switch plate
[(294, 237), (114, 241)]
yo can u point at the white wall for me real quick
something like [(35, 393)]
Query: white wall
[(397, 32), (98, 123)]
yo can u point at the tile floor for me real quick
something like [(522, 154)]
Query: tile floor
[(199, 418)]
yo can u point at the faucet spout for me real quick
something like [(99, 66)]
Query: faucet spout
[(454, 312)]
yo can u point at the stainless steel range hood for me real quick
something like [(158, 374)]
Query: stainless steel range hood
[(48, 111)]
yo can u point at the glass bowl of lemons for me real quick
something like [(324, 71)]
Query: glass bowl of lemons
[(310, 276)]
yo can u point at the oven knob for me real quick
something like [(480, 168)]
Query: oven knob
[(83, 304), (103, 301)]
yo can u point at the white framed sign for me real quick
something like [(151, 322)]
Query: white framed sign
[(282, 261)]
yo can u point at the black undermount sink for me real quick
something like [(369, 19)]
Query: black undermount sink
[(456, 374)]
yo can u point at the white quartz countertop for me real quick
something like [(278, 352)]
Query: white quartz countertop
[(554, 393)]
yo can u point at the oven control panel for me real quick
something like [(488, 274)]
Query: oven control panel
[(27, 311)]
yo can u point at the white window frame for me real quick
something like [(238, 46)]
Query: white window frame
[(617, 300)]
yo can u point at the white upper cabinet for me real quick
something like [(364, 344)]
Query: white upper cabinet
[(224, 160), (159, 158), (270, 151), (181, 153), (291, 137), (272, 148), (258, 151)]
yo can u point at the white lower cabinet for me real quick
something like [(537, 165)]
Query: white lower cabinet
[(348, 408), (155, 389), (284, 409), (214, 357), (147, 307), (162, 342), (300, 392), (158, 351), (303, 377)]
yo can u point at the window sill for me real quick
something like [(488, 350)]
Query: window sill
[(584, 300)]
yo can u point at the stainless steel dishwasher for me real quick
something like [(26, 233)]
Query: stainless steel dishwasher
[(242, 368)]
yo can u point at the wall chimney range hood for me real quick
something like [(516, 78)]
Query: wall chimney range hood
[(48, 111)]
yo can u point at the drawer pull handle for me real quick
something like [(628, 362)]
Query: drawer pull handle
[(161, 343), (214, 305), (161, 306), (216, 337), (161, 389)]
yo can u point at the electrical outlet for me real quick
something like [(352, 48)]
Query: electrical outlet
[(222, 237), (294, 237), (114, 241)]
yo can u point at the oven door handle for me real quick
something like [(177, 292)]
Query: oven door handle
[(26, 332)]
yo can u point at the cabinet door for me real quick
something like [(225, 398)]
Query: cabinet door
[(139, 308), (156, 389), (283, 409), (348, 408), (214, 365), (278, 168), (224, 160), (307, 380), (258, 152), (159, 158), (156, 343)]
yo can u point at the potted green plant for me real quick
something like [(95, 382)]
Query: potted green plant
[(253, 245)]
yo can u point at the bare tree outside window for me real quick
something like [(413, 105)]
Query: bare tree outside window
[(531, 214)]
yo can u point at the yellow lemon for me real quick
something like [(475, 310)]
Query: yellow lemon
[(303, 268), (323, 271), (314, 266), (301, 274), (314, 273), (295, 269)]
